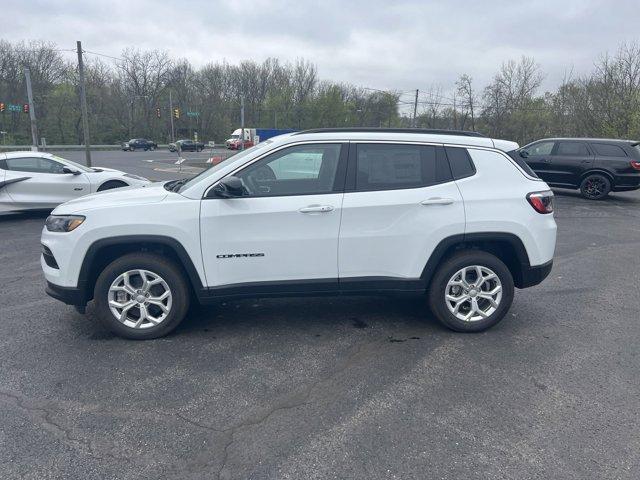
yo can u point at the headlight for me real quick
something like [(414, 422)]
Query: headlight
[(136, 177), (63, 223)]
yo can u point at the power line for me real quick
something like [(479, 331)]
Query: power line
[(102, 55)]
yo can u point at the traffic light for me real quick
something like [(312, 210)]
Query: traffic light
[(176, 113), (25, 108), (158, 112), (1, 107)]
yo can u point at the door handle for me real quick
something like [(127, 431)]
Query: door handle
[(545, 160), (437, 201), (316, 209)]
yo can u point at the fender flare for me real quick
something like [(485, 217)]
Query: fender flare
[(597, 171), (85, 277), (446, 245)]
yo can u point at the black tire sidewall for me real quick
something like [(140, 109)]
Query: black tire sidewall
[(592, 176), (167, 270), (448, 269)]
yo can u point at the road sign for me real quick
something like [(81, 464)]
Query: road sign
[(193, 114)]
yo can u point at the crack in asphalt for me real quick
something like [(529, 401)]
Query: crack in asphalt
[(292, 401), (45, 416)]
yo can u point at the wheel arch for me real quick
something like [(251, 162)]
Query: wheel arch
[(508, 247), (104, 251), (113, 180), (597, 171)]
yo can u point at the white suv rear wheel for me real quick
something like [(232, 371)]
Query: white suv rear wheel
[(471, 291)]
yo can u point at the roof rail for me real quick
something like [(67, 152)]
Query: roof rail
[(432, 131)]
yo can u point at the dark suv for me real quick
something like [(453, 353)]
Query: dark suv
[(139, 144), (596, 166)]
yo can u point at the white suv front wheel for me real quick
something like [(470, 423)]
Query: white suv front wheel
[(141, 296), (471, 291)]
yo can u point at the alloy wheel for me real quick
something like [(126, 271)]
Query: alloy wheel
[(473, 293), (595, 187), (140, 299)]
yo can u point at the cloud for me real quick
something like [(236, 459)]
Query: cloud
[(399, 45)]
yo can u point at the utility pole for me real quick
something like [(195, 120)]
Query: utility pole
[(242, 122), (32, 111), (173, 132), (415, 109), (83, 104)]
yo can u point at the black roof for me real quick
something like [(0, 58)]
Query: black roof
[(431, 131)]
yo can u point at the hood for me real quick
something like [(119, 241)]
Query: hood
[(150, 193)]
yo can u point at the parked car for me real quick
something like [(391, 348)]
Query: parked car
[(596, 166), (186, 146), (321, 212), (139, 144), (34, 180)]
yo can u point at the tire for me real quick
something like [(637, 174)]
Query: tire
[(152, 148), (448, 272), (153, 266), (132, 149), (595, 187), (111, 184)]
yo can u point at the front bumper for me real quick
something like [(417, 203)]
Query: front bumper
[(69, 295)]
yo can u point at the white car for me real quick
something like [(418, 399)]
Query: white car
[(35, 180), (322, 212)]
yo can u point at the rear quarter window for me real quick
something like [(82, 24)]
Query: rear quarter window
[(460, 162), (607, 150), (515, 155)]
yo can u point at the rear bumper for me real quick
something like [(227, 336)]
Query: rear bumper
[(69, 295), (533, 275)]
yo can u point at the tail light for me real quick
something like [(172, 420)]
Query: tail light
[(635, 164), (542, 202)]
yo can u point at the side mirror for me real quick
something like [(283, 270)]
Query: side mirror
[(228, 187), (524, 154), (68, 170)]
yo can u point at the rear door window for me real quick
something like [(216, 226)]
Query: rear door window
[(572, 149), (395, 166)]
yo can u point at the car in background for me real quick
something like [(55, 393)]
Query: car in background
[(596, 166), (139, 144), (236, 144), (35, 180), (186, 146)]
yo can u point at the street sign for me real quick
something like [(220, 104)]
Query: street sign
[(193, 114)]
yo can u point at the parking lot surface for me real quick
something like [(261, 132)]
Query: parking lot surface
[(359, 387)]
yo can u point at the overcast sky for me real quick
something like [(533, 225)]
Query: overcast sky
[(399, 45)]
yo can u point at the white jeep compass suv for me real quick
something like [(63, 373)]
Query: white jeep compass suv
[(318, 212)]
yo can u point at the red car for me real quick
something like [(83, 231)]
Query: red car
[(235, 144)]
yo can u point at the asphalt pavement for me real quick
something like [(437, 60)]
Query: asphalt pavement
[(319, 388), (155, 165)]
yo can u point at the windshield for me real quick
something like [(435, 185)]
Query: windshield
[(224, 163), (235, 136), (77, 165)]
